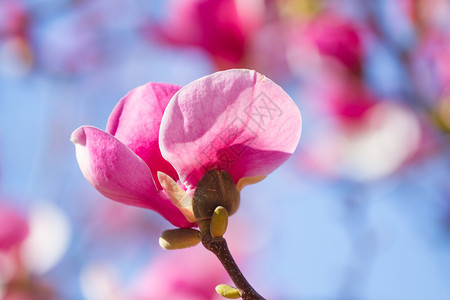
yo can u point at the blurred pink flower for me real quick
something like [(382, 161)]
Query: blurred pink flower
[(14, 19), (16, 55), (13, 231), (361, 137), (13, 228), (333, 37), (424, 15), (24, 251), (221, 27), (190, 274), (377, 144), (432, 62), (236, 120), (346, 99)]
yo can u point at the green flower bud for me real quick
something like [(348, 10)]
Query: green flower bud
[(219, 222), (179, 238), (228, 291)]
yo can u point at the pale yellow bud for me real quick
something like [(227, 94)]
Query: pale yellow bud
[(179, 238), (219, 222), (228, 291)]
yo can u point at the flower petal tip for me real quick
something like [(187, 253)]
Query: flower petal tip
[(179, 197), (78, 137), (163, 179)]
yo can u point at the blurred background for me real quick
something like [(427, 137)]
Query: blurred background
[(360, 211)]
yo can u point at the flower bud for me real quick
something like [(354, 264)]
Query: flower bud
[(216, 188), (228, 291), (219, 222), (179, 238)]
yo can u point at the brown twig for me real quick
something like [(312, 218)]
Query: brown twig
[(219, 247)]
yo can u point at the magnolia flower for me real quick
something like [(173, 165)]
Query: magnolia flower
[(222, 28), (161, 140), (14, 19), (13, 228), (377, 144), (329, 38), (30, 246), (345, 99), (13, 231), (337, 37), (16, 57)]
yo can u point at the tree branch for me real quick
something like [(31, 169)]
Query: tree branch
[(219, 247)]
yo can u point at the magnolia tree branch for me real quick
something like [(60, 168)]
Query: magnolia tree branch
[(219, 247), (215, 198)]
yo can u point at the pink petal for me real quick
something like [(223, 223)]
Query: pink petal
[(215, 26), (119, 174), (135, 122), (235, 120), (179, 197), (337, 37), (13, 228)]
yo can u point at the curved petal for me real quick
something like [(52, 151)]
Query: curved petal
[(119, 174), (135, 122), (179, 197), (236, 120)]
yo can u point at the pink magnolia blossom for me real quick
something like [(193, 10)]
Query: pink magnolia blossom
[(373, 146), (13, 228), (16, 55), (346, 99), (13, 231), (14, 19), (362, 137), (236, 120), (333, 37), (24, 250), (221, 27), (431, 64)]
